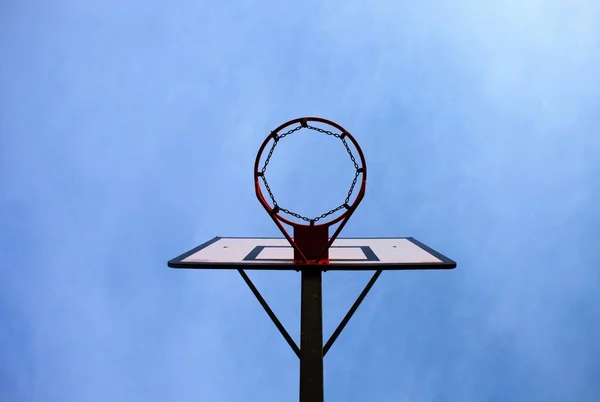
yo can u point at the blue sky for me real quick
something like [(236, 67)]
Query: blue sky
[(127, 136)]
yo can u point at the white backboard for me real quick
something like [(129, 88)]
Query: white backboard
[(344, 254)]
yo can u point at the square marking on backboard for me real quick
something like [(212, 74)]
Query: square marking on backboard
[(286, 253)]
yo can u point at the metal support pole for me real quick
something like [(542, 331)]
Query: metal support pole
[(311, 336)]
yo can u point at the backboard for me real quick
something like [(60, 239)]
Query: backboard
[(348, 254)]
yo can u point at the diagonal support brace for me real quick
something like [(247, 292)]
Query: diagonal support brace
[(351, 312), (270, 313)]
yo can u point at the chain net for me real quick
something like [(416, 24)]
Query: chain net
[(276, 139)]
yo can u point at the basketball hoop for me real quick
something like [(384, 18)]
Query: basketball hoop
[(310, 241), (311, 245)]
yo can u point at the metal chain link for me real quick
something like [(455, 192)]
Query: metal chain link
[(350, 153), (323, 131), (352, 186), (276, 139), (264, 179)]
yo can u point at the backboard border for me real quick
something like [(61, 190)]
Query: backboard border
[(446, 263)]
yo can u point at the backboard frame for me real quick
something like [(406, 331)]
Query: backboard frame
[(445, 262)]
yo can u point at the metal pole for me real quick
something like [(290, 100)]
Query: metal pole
[(311, 336)]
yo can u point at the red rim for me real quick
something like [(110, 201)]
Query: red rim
[(276, 216)]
